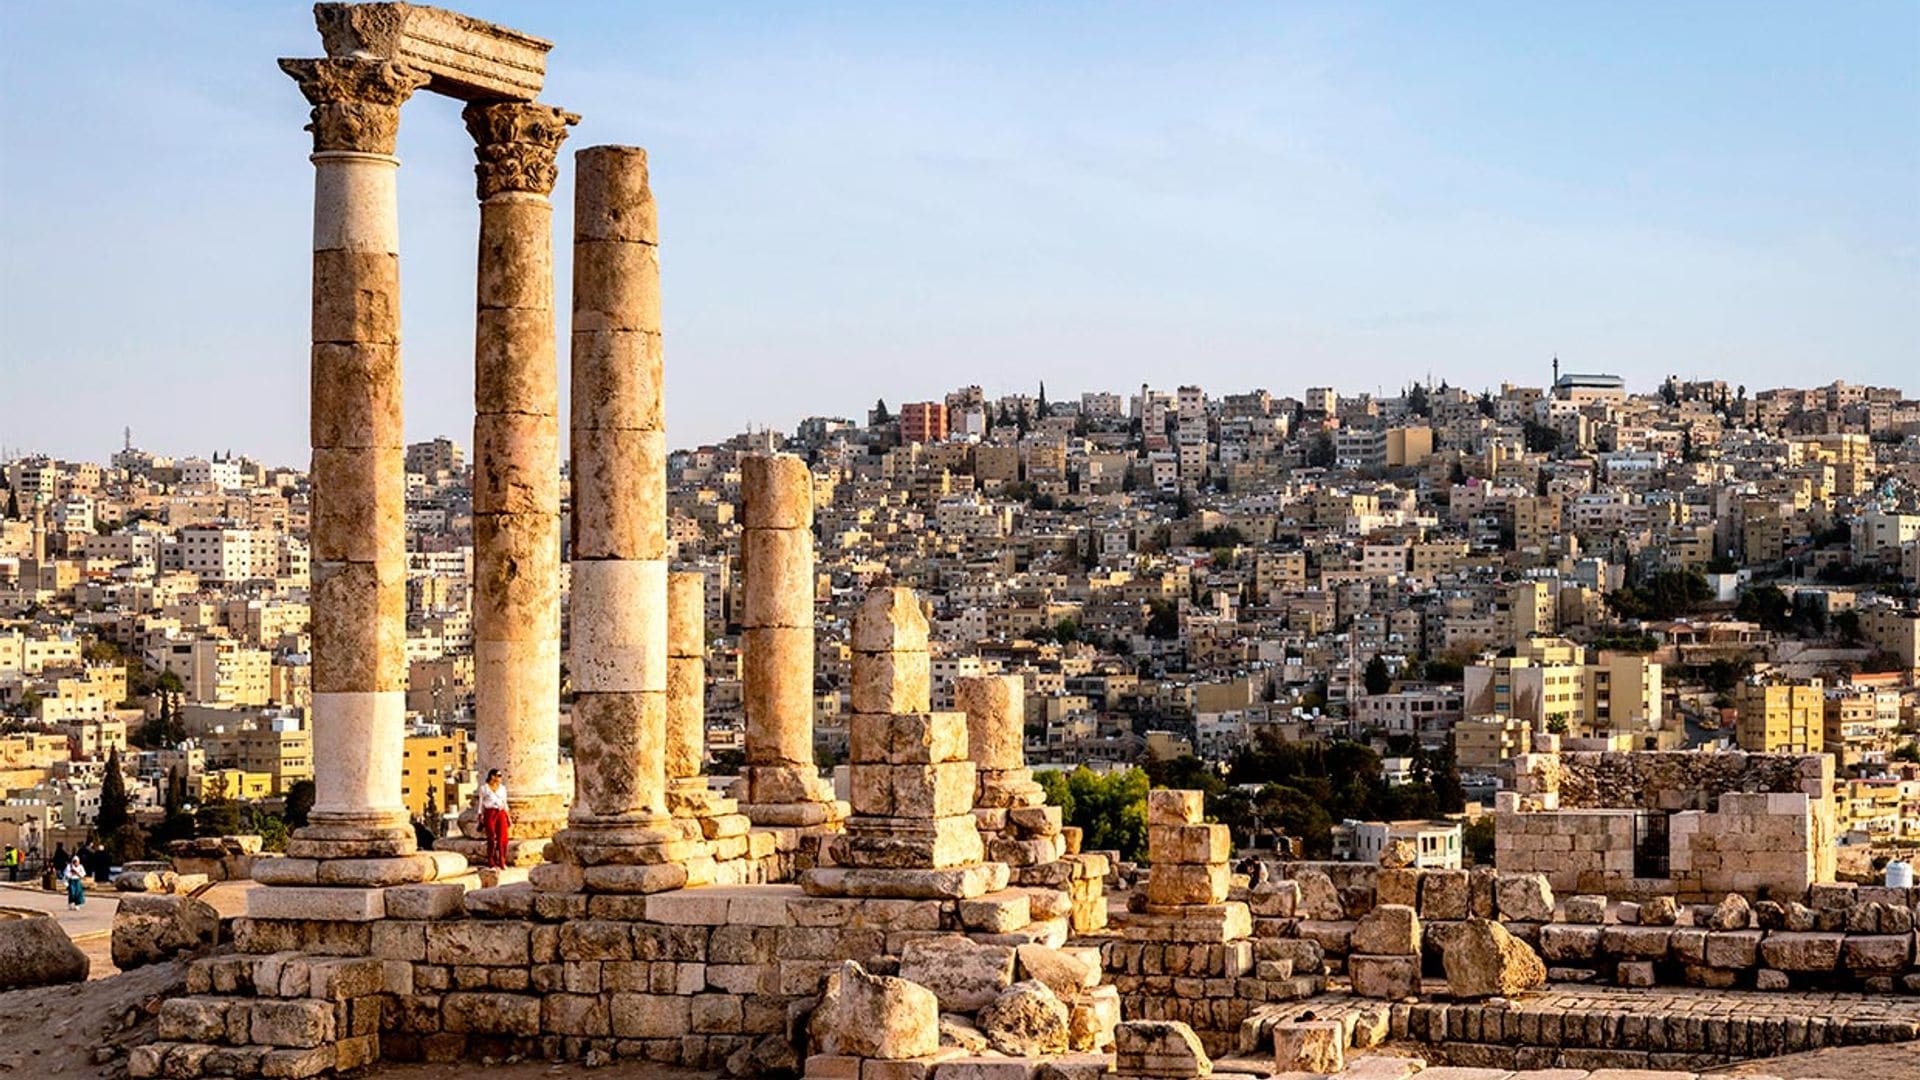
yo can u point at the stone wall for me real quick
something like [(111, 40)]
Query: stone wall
[(1771, 845), (1669, 781), (1578, 850)]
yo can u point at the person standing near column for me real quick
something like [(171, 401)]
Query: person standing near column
[(494, 821)]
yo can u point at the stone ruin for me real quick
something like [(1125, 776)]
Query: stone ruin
[(1691, 825), (941, 924)]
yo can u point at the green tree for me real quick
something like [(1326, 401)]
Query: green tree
[(1320, 451), (1110, 810), (1379, 680), (1476, 837), (299, 804), (1417, 402), (113, 814), (880, 413), (1163, 620), (1767, 605), (1066, 631)]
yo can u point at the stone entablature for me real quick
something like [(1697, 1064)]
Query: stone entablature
[(463, 57)]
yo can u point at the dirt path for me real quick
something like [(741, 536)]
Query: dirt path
[(83, 1029)]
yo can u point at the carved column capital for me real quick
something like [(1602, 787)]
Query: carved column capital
[(356, 102), (516, 143)]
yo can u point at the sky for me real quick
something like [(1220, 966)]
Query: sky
[(892, 200)]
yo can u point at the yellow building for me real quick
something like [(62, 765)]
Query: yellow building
[(1552, 684), (1484, 743), (1782, 717), (236, 784), (433, 763)]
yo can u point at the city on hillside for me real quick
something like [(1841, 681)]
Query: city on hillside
[(1342, 616)]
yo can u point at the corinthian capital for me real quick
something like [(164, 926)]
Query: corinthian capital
[(356, 101), (515, 142)]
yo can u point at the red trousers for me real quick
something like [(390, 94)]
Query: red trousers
[(494, 823)]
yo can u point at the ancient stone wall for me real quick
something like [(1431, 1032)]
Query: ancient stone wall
[(1669, 781), (1578, 850)]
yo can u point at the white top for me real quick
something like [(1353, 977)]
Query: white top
[(492, 799)]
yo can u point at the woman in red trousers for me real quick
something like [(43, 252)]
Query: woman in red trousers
[(493, 817)]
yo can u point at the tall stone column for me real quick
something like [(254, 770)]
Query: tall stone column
[(619, 837), (516, 467), (782, 782), (686, 681), (358, 531)]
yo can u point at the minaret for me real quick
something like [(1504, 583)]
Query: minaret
[(1556, 369), (39, 532)]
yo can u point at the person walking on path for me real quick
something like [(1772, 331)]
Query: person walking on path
[(493, 818), (76, 883)]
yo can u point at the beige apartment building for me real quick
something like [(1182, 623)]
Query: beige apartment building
[(1782, 717), (1552, 684)]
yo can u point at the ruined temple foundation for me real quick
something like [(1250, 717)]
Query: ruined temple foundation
[(1011, 810), (780, 785)]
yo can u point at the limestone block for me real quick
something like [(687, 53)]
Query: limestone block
[(996, 727), (1876, 954), (616, 286), (478, 942), (1397, 886), (1387, 977), (777, 577), (874, 1016), (294, 1023), (1388, 930), (1443, 894), (315, 903), (777, 694), (354, 204), (1563, 943), (514, 367), (963, 974), (1160, 1048), (1658, 911), (1634, 973), (1483, 960), (616, 737), (687, 614), (1312, 1046), (1525, 897), (956, 883), (516, 575), (1036, 820), (356, 297), (1641, 942), (1176, 883), (920, 738), (516, 255), (613, 199), (776, 492), (1276, 899), (619, 493), (1091, 1019), (1189, 844), (1319, 899), (1166, 806), (1000, 913), (616, 381), (889, 620), (1063, 972), (356, 394), (889, 683), (359, 504), (1588, 910), (1026, 1019), (516, 464), (686, 717), (618, 616), (933, 791), (1732, 948)]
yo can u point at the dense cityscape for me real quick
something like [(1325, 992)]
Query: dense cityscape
[(1342, 616)]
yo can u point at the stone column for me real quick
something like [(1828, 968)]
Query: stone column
[(358, 531), (912, 832), (516, 466), (996, 731), (619, 836), (782, 782), (686, 681)]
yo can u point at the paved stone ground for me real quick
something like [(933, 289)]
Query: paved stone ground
[(1892, 1062)]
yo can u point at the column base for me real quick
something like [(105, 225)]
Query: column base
[(354, 836), (1008, 789), (954, 883), (626, 857), (376, 872), (787, 796)]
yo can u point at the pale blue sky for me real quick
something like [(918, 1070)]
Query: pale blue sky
[(894, 199)]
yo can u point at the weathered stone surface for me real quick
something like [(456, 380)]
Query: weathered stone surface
[(1483, 960), (1388, 930), (1318, 897), (1063, 973), (1312, 1046), (1160, 1048), (1525, 897), (1732, 913), (965, 975), (1026, 1019), (1586, 910), (1792, 951), (35, 951), (1167, 806), (1443, 894), (1399, 854), (875, 1016), (150, 927), (1658, 911), (1387, 977)]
